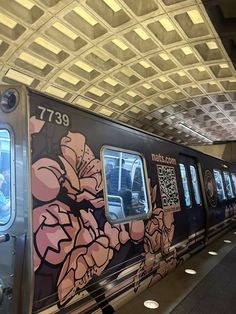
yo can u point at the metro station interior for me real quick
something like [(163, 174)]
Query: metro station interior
[(167, 67)]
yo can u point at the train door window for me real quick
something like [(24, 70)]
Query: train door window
[(126, 192), (195, 185), (219, 185), (5, 177), (233, 177), (185, 184), (229, 189)]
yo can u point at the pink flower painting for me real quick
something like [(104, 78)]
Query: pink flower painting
[(66, 230)]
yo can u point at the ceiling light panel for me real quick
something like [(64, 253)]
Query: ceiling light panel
[(47, 45), (7, 21), (36, 62), (69, 78), (113, 5), (56, 92), (120, 44), (85, 15), (195, 17), (111, 81), (212, 45), (168, 26), (84, 103), (65, 30), (141, 33), (25, 3), (84, 66), (145, 64), (19, 77)]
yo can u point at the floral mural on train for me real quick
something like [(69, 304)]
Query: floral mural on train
[(70, 229)]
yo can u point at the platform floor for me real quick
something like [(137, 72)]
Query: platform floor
[(203, 293)]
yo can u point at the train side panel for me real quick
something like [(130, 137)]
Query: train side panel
[(80, 258)]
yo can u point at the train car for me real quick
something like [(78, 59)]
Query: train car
[(93, 211)]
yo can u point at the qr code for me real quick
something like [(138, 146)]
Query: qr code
[(168, 188)]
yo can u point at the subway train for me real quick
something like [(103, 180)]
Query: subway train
[(93, 211)]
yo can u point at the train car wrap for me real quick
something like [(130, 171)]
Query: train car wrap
[(76, 243)]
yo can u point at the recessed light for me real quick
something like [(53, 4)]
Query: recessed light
[(56, 91), (195, 16), (85, 15), (25, 3), (84, 66), (164, 56), (151, 304), (96, 91), (212, 253), (65, 30), (168, 26), (190, 271), (187, 50), (145, 64), (107, 112), (120, 44), (141, 33), (84, 103), (113, 5), (212, 45), (227, 241), (131, 93), (47, 45), (118, 102), (7, 21), (69, 78), (19, 77), (234, 232), (110, 81)]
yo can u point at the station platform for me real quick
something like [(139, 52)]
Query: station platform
[(212, 290)]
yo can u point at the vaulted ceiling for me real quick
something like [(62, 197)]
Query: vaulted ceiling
[(161, 65)]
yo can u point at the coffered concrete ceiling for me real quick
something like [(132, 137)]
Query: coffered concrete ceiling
[(159, 65)]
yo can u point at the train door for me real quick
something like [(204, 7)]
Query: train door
[(193, 196), (15, 236)]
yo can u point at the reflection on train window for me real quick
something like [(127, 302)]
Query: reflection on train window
[(185, 185), (233, 176), (219, 185), (228, 185), (5, 179), (126, 188), (195, 185)]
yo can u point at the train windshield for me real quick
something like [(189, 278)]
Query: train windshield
[(195, 185), (5, 177), (185, 184), (219, 185), (228, 185), (125, 184)]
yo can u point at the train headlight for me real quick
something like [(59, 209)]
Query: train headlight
[(9, 100)]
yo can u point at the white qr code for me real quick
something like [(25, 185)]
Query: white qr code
[(168, 188)]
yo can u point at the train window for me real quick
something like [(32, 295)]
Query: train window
[(219, 185), (5, 177), (185, 184), (125, 185), (195, 185), (228, 185), (233, 177)]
